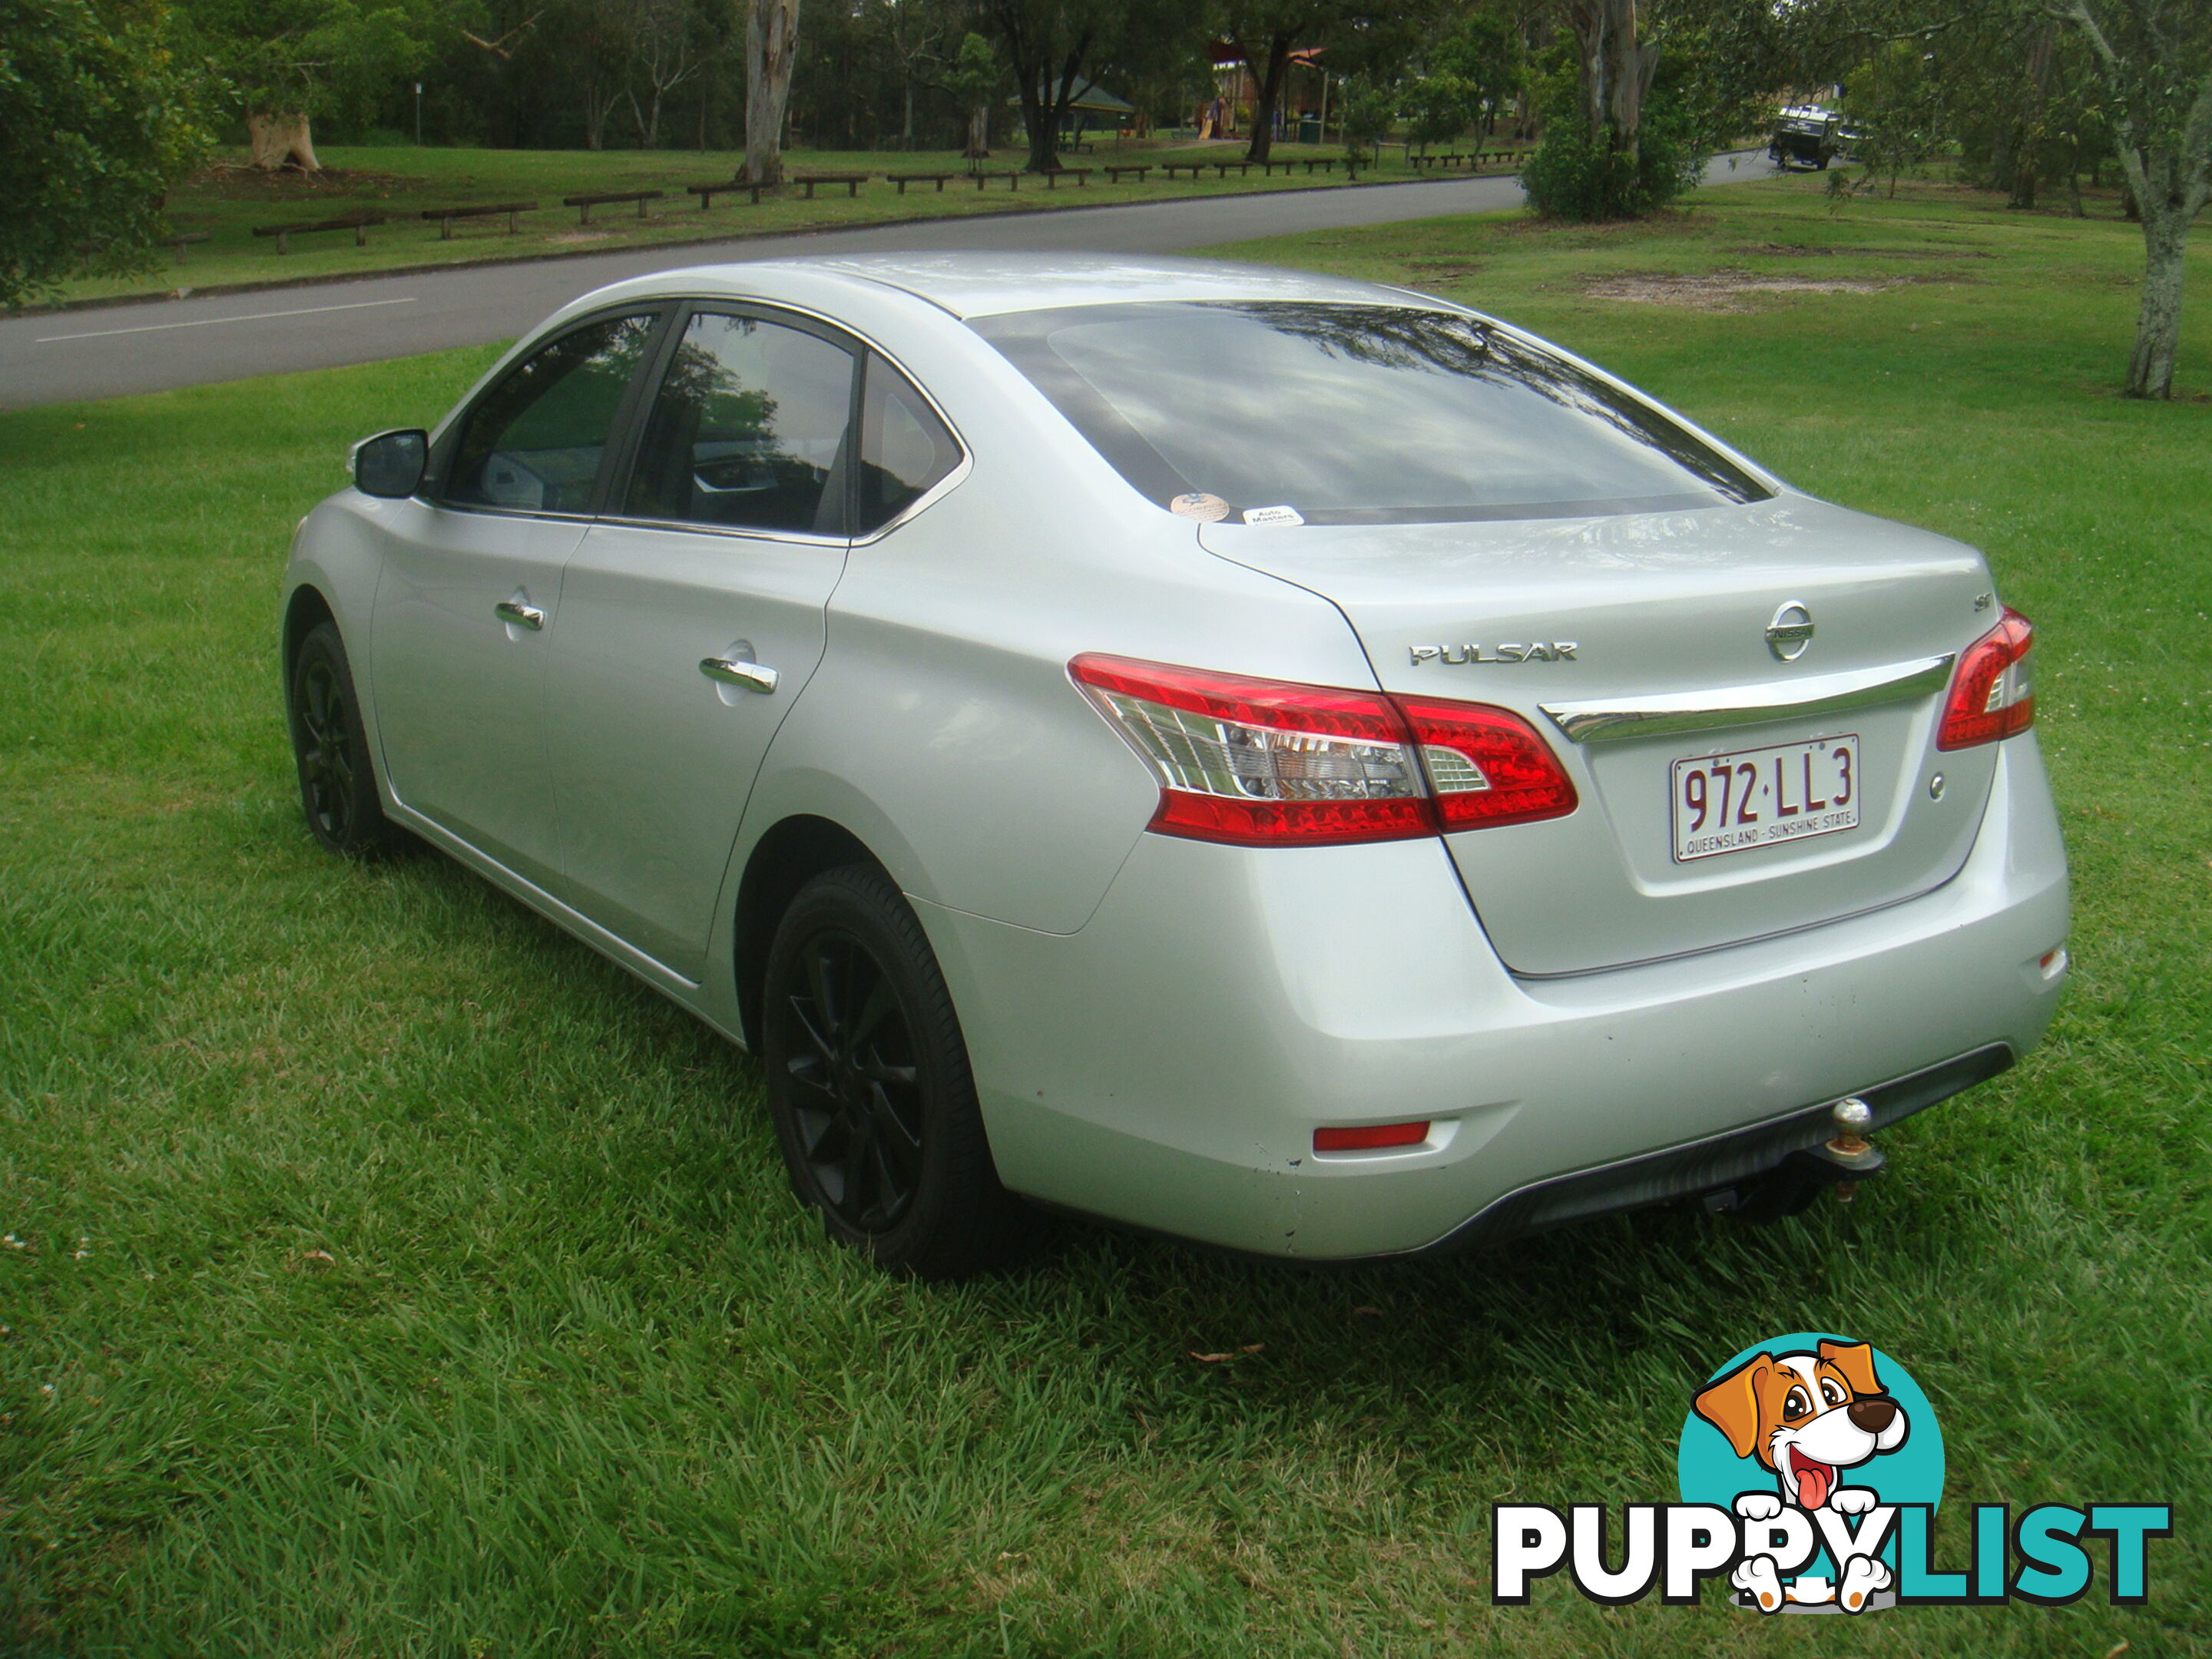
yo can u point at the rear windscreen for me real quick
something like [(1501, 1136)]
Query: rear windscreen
[(1355, 414)]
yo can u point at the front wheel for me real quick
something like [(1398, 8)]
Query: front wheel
[(338, 783), (869, 1085)]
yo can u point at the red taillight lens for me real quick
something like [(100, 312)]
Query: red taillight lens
[(1270, 763), (1486, 765), (1992, 696), (1369, 1137)]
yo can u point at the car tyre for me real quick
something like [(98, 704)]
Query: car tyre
[(337, 779), (869, 1084)]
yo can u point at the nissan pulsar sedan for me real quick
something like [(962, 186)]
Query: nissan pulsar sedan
[(1273, 760)]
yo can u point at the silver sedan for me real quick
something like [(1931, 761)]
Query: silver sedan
[(1278, 761)]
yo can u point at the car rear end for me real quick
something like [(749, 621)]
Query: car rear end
[(1675, 807)]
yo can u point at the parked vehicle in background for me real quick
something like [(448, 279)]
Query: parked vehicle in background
[(1279, 761), (1805, 135)]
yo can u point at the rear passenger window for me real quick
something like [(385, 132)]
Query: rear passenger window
[(534, 444), (748, 430), (905, 450)]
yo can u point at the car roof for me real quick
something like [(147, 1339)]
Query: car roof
[(982, 285)]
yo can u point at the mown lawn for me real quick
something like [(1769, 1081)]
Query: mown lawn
[(388, 1275), (228, 200)]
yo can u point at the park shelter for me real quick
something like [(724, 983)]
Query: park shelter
[(1092, 104)]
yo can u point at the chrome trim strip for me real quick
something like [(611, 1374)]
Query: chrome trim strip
[(1616, 719)]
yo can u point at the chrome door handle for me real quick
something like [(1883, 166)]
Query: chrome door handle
[(522, 615), (754, 677)]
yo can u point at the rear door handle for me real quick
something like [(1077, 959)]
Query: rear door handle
[(522, 615), (754, 677)]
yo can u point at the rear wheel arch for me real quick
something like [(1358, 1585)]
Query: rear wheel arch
[(787, 858), (307, 610)]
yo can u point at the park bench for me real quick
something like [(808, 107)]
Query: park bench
[(1326, 163), (1222, 168), (851, 181), (183, 240), (358, 223), (445, 215), (1081, 175), (591, 200), (1011, 175), (1113, 174), (902, 180), (1194, 168), (707, 193)]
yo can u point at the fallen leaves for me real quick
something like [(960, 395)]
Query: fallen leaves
[(1220, 1358)]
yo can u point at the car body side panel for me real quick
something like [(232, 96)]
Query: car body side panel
[(652, 760), (1353, 984), (943, 697)]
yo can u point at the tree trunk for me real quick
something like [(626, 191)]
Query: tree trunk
[(1270, 85), (1616, 70), (2158, 326), (281, 138), (771, 49), (2169, 182), (2027, 153), (979, 133)]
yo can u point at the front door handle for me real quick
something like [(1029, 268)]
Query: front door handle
[(520, 614), (754, 677)]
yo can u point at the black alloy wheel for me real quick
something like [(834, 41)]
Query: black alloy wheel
[(337, 784), (869, 1085), (855, 1090)]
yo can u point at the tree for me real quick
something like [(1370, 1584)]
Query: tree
[(662, 53), (974, 83), (1437, 107), (1895, 103), (1050, 45), (289, 61), (98, 119), (771, 50), (2154, 57), (1366, 111), (1654, 87), (2151, 61), (1266, 32)]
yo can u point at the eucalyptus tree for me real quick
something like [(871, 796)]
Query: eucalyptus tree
[(771, 52), (2151, 61), (2154, 57)]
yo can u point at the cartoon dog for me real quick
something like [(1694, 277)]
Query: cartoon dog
[(1807, 1417)]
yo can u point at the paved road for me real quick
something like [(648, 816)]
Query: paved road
[(113, 351)]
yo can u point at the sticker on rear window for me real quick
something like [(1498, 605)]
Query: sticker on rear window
[(1272, 515), (1206, 509)]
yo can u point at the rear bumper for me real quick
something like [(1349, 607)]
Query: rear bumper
[(1166, 1065)]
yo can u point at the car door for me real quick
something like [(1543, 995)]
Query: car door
[(470, 594), (693, 615)]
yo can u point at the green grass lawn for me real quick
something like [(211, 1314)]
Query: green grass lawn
[(390, 1275), (228, 200)]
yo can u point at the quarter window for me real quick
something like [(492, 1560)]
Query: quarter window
[(535, 443), (905, 450), (748, 430)]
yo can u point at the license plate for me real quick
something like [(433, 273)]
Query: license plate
[(1757, 797)]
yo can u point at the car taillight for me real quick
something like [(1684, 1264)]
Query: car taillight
[(1260, 762), (1991, 693)]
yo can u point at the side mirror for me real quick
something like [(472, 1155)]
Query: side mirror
[(390, 463)]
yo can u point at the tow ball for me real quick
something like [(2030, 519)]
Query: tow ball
[(1850, 1148), (1841, 1161)]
